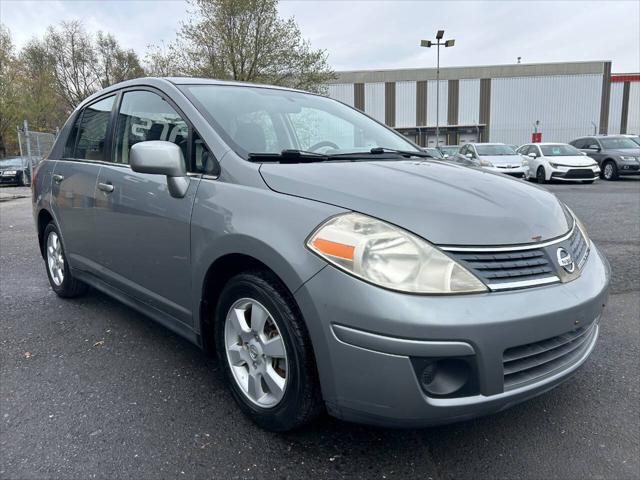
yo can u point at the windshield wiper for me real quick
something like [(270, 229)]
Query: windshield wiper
[(288, 156), (304, 156), (375, 151)]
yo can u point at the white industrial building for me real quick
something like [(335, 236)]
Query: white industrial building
[(499, 103)]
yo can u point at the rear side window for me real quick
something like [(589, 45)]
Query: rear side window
[(93, 130), (146, 116)]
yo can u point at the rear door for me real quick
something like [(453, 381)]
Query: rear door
[(74, 182), (142, 232)]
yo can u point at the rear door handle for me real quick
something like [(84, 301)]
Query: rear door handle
[(105, 187), (57, 178)]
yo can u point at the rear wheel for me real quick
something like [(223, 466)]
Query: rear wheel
[(610, 171), (540, 175), (60, 277), (265, 352)]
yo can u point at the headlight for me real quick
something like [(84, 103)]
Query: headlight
[(629, 159), (390, 257), (554, 165), (485, 163)]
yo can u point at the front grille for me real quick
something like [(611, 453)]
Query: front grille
[(532, 362), (579, 173), (506, 267), (578, 246)]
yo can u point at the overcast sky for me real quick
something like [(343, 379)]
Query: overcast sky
[(384, 34)]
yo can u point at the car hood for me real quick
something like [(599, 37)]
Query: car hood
[(572, 160), (503, 159), (443, 203)]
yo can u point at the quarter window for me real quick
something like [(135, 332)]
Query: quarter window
[(146, 116), (93, 130)]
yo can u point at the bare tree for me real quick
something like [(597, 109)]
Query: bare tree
[(9, 108), (74, 59), (115, 64), (246, 40), (160, 61)]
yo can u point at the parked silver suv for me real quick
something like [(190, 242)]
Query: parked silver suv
[(328, 260)]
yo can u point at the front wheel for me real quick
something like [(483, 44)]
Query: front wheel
[(610, 171), (540, 175), (265, 352), (60, 277)]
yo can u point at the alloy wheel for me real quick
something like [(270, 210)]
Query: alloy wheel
[(256, 352), (608, 171), (55, 259)]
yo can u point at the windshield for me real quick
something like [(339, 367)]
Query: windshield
[(615, 143), (491, 150), (433, 152), (265, 120), (559, 151), (11, 162), (449, 150)]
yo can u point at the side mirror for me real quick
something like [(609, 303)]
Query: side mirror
[(583, 153), (468, 155), (158, 157), (446, 155), (532, 155)]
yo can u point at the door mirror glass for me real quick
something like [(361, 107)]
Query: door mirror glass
[(533, 155), (159, 157), (469, 155)]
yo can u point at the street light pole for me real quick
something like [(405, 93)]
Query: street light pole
[(437, 43)]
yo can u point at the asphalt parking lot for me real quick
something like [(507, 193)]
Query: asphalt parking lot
[(91, 389)]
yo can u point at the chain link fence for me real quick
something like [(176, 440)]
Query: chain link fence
[(34, 146)]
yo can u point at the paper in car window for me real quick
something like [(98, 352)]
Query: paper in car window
[(556, 151)]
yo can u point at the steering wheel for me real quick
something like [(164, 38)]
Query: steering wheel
[(322, 144)]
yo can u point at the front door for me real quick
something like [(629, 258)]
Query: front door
[(74, 182), (142, 232)]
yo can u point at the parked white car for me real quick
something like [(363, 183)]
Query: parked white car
[(558, 161), (495, 157)]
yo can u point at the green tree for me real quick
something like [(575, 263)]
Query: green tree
[(41, 104), (246, 40), (9, 93)]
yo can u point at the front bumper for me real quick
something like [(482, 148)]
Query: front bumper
[(628, 167), (574, 173), (10, 179), (518, 172), (367, 339)]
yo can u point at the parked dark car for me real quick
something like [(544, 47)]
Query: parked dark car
[(14, 171), (616, 154)]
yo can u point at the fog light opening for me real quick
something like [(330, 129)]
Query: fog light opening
[(445, 376)]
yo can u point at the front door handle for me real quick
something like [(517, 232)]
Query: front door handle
[(58, 178), (105, 187)]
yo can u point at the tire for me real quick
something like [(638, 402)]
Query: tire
[(541, 175), (610, 170), (58, 271), (300, 400)]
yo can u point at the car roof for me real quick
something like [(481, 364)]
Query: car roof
[(159, 82), (486, 143)]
